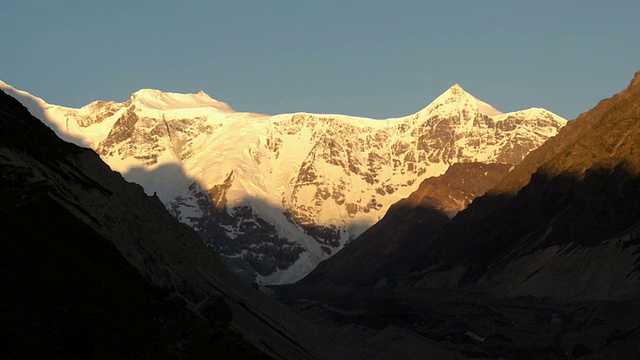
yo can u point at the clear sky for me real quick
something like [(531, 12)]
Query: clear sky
[(369, 58)]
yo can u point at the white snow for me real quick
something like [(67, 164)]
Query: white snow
[(158, 100), (455, 99)]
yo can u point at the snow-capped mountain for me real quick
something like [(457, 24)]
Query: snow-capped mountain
[(275, 195)]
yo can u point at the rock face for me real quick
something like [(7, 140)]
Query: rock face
[(564, 223), (92, 267), (274, 195), (374, 257)]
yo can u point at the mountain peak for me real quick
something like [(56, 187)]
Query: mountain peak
[(456, 89), (455, 97), (159, 100), (636, 79)]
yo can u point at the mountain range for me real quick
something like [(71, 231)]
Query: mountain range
[(275, 195), (486, 260)]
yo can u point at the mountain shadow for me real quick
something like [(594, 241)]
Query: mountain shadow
[(92, 267), (244, 235), (67, 292)]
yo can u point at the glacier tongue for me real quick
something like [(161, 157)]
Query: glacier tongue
[(275, 195)]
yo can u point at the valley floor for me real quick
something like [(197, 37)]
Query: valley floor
[(419, 324)]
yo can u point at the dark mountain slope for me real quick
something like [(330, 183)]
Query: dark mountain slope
[(564, 223), (374, 257), (91, 267), (68, 293)]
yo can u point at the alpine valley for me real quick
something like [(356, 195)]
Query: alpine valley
[(275, 195)]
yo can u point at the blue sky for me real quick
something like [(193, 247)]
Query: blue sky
[(369, 58)]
